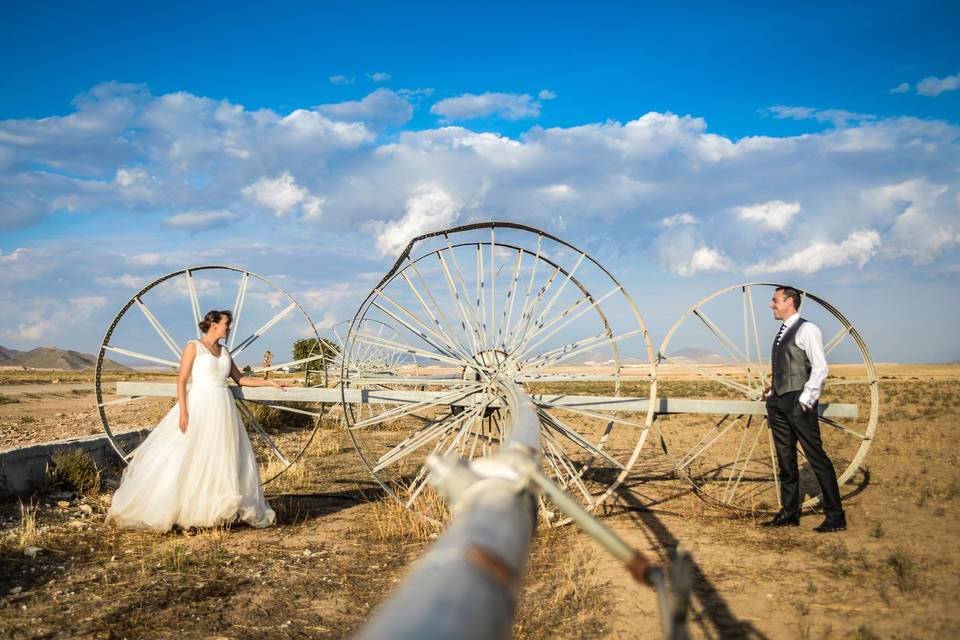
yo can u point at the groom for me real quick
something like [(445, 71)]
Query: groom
[(799, 367)]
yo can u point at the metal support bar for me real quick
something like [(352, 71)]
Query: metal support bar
[(664, 406)]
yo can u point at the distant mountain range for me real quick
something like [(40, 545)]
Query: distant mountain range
[(54, 358)]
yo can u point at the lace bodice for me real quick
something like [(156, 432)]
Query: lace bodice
[(208, 369)]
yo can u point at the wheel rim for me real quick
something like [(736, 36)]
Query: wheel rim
[(480, 303), (159, 318), (719, 349)]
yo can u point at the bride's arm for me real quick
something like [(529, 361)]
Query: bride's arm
[(186, 365), (248, 381)]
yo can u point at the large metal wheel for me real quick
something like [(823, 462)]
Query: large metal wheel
[(147, 335), (373, 361), (480, 303), (719, 349)]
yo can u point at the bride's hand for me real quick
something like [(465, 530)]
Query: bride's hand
[(278, 385), (184, 421)]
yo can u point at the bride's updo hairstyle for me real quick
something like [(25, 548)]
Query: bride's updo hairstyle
[(213, 317)]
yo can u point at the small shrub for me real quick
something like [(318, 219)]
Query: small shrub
[(74, 470), (7, 400), (877, 530), (273, 419), (865, 633), (905, 569)]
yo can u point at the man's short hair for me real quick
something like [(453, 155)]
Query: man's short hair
[(793, 294)]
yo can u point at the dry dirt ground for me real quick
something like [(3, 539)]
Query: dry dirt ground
[(340, 548)]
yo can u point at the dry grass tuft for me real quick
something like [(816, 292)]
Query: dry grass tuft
[(27, 533), (74, 470), (906, 570), (393, 522), (563, 594)]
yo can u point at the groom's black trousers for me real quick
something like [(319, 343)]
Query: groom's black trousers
[(790, 424)]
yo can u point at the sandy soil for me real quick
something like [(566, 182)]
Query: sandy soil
[(340, 548)]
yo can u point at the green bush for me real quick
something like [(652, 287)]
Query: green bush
[(74, 470)]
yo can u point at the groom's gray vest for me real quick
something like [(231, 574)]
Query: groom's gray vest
[(789, 363)]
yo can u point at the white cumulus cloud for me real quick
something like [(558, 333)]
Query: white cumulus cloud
[(857, 249), (933, 86), (382, 107), (509, 106), (198, 220), (775, 214), (283, 195), (428, 209), (679, 219), (341, 79), (903, 87), (379, 76), (546, 94), (704, 259)]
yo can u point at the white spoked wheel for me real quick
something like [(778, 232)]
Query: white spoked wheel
[(373, 362), (145, 339), (481, 303), (719, 349)]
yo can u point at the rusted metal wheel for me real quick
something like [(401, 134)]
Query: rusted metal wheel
[(147, 335), (719, 349), (479, 303)]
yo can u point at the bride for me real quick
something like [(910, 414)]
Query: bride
[(197, 468)]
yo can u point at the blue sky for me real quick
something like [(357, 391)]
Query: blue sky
[(688, 147)]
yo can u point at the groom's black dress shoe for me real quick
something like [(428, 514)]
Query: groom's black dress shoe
[(831, 525), (783, 519)]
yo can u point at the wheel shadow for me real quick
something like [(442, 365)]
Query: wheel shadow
[(708, 609), (294, 508)]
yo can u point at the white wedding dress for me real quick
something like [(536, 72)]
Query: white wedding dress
[(200, 478)]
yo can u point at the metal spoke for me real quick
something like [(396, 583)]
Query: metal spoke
[(774, 463), (528, 312), (746, 461), (420, 334), (526, 298), (566, 323), (142, 356), (745, 390), (266, 327), (469, 326), (262, 432), (292, 363), (402, 348), (756, 336), (159, 328), (511, 299), (281, 407), (439, 322), (835, 340), (237, 308), (589, 414), (584, 345), (575, 476), (840, 427), (691, 456), (418, 439), (403, 410), (481, 300), (493, 288), (574, 436), (727, 343), (194, 302)]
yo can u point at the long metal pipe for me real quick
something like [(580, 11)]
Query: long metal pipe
[(466, 586)]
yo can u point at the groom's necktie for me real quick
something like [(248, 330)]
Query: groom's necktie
[(783, 328)]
